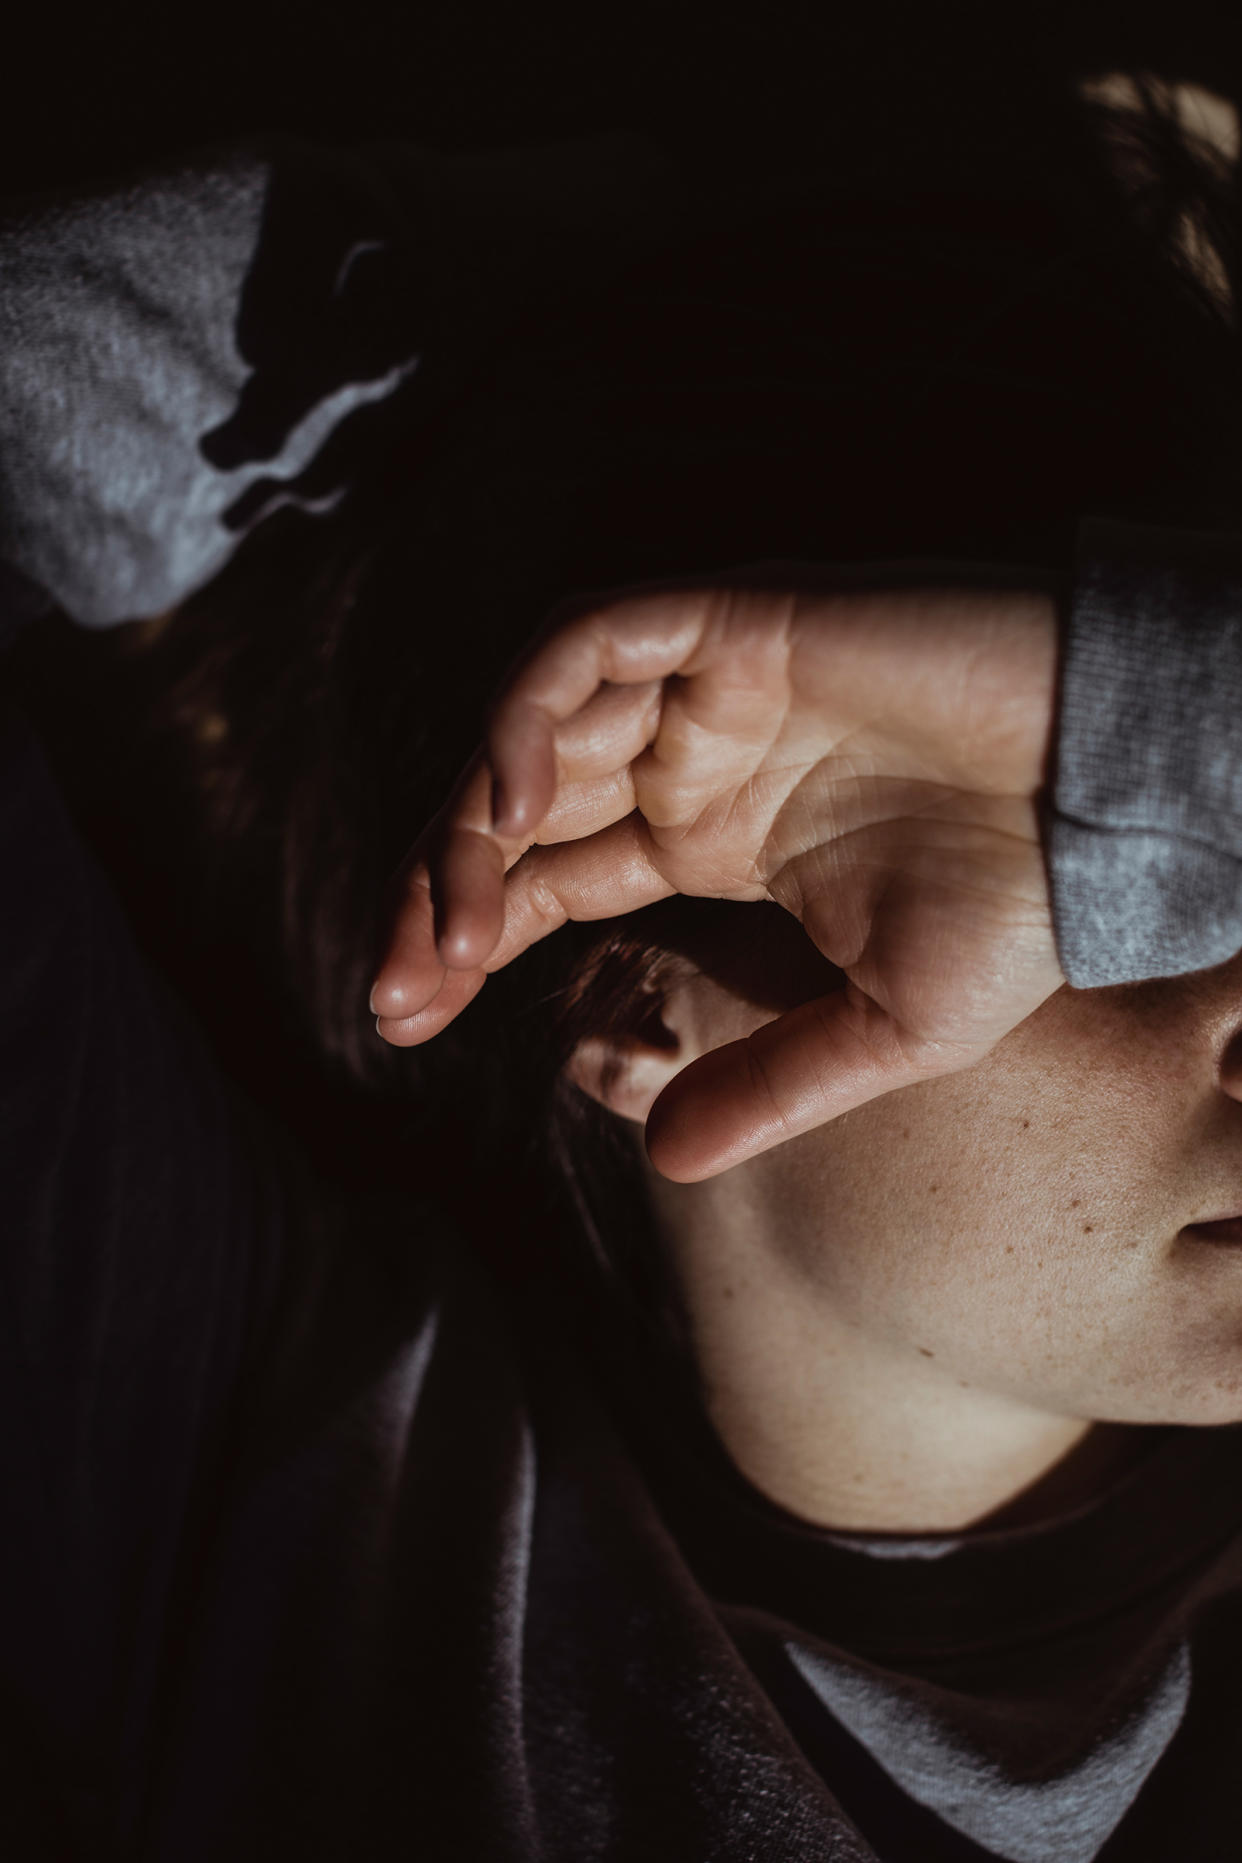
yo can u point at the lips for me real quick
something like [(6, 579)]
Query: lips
[(1226, 1232)]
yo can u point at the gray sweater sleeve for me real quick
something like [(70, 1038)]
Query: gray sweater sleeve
[(1144, 830), (119, 354), (181, 351)]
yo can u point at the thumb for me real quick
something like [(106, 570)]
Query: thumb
[(805, 1068)]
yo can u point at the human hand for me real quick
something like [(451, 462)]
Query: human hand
[(868, 759)]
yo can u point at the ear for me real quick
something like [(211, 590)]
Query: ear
[(745, 965), (627, 1072), (627, 1069)]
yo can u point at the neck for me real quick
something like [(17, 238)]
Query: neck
[(852, 1432)]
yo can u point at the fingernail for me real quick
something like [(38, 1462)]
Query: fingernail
[(371, 998)]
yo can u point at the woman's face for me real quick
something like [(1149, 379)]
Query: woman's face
[(1029, 1223)]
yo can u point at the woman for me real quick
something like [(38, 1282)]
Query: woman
[(757, 1531)]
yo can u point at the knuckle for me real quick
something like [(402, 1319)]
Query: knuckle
[(543, 902)]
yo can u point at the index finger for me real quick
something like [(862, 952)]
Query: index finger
[(632, 641)]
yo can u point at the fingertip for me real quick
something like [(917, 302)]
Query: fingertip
[(422, 1024), (521, 817), (470, 894), (386, 999), (394, 1031), (674, 1146), (523, 760), (398, 1031), (708, 1119), (391, 1000), (508, 810), (462, 948)]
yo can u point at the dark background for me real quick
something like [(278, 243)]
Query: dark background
[(87, 90)]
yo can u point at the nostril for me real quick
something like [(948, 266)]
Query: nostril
[(1230, 1066)]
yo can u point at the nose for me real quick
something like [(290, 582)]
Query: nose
[(1230, 1069)]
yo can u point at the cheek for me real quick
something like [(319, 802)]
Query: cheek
[(1017, 1222)]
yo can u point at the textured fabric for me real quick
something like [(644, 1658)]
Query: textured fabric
[(118, 353), (180, 353), (1144, 840), (1073, 1813), (985, 1694)]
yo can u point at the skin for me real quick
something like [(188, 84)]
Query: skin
[(911, 1318), (930, 1207)]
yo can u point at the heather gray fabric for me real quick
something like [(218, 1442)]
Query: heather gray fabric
[(178, 348), (118, 353), (1144, 839), (1070, 1816)]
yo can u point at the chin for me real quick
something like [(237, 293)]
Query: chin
[(1215, 1408), (1205, 1404)]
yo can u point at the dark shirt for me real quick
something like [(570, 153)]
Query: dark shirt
[(316, 1540)]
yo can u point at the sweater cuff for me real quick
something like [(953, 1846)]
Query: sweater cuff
[(1144, 833)]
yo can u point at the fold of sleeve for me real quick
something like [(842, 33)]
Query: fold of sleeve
[(182, 352), (1144, 829), (121, 350)]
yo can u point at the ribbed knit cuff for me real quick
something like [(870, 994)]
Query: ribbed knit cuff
[(1144, 833)]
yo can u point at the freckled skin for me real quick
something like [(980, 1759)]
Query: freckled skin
[(872, 1304)]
